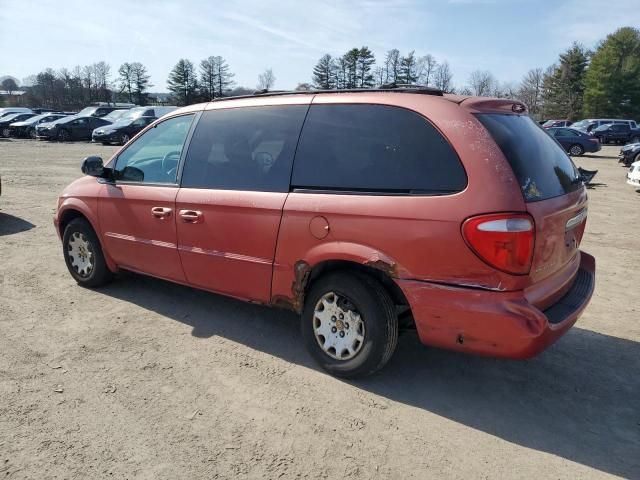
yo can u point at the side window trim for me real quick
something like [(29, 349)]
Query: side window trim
[(176, 184)]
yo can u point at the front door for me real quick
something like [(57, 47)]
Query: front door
[(137, 212), (234, 185)]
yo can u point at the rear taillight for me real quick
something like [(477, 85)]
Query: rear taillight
[(503, 240)]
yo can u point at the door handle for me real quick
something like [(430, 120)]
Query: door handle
[(191, 216), (161, 212)]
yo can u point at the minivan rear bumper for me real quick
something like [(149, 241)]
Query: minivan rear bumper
[(492, 323)]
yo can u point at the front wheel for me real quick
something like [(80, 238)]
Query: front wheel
[(83, 255), (32, 133), (576, 150), (6, 132), (124, 139), (349, 324)]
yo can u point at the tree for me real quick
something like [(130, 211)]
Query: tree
[(9, 85), (443, 78), (182, 82), (563, 84), (408, 69), (215, 78), (101, 74), (141, 83), (126, 80), (304, 87), (530, 91), (482, 83), (426, 69), (612, 83), (364, 64), (392, 66), (266, 80), (324, 73)]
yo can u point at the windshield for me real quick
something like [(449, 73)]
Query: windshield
[(541, 166), (581, 124), (602, 127), (87, 111), (115, 115)]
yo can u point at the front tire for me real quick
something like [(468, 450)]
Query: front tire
[(349, 324), (576, 150), (6, 132), (83, 255), (32, 133), (124, 139)]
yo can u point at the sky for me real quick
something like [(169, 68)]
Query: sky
[(506, 37)]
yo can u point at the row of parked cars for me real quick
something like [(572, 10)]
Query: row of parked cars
[(103, 123)]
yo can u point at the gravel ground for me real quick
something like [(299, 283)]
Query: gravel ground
[(145, 379)]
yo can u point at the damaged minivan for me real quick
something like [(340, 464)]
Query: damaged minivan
[(366, 212)]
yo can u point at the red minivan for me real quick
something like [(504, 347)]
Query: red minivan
[(365, 211)]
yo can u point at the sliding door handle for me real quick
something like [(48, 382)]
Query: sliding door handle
[(161, 212), (191, 216)]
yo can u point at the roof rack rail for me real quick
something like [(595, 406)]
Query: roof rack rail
[(393, 88)]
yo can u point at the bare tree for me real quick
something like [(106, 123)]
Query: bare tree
[(9, 85), (126, 80), (392, 66), (443, 78), (530, 91), (266, 80), (426, 69), (482, 83)]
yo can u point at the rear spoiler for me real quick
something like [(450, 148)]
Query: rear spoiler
[(494, 105)]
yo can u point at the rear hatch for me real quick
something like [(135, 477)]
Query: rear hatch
[(554, 194)]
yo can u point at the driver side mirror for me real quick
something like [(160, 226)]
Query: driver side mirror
[(93, 166)]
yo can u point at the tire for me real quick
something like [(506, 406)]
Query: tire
[(6, 132), (80, 245), (32, 133), (124, 138), (576, 150), (63, 135), (356, 297)]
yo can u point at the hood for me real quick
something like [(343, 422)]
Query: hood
[(630, 146), (23, 123)]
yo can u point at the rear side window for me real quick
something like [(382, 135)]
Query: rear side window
[(541, 166), (247, 148), (374, 148)]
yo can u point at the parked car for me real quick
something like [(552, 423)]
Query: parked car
[(128, 125), (629, 153), (103, 109), (556, 123), (9, 119), (75, 127), (633, 175), (590, 124), (574, 141), (27, 128), (364, 211), (616, 133), (12, 110)]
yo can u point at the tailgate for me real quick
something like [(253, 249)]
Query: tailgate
[(560, 223)]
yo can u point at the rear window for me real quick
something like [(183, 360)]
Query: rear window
[(374, 148), (541, 166)]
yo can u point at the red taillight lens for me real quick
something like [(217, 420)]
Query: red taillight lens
[(504, 241)]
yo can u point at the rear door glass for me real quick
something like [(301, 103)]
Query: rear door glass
[(541, 166), (377, 149)]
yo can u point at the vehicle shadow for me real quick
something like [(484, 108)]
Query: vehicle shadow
[(10, 224), (597, 157), (580, 400), (594, 185)]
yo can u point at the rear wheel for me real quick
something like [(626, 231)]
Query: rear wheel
[(124, 138), (576, 150), (32, 133), (83, 254), (6, 132), (63, 135), (349, 324)]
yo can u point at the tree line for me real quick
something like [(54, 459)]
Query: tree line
[(603, 82)]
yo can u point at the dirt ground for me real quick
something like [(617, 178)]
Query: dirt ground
[(145, 379)]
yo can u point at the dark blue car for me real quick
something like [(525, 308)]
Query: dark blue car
[(575, 142)]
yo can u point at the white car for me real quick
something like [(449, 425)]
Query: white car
[(633, 176)]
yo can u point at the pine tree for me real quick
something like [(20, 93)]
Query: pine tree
[(612, 84), (183, 83), (563, 84), (408, 73), (364, 64), (141, 83), (324, 73)]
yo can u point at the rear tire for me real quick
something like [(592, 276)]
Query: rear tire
[(83, 255), (576, 150), (6, 132), (63, 135), (32, 133), (349, 324), (124, 138)]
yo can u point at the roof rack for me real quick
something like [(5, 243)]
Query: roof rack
[(389, 87)]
